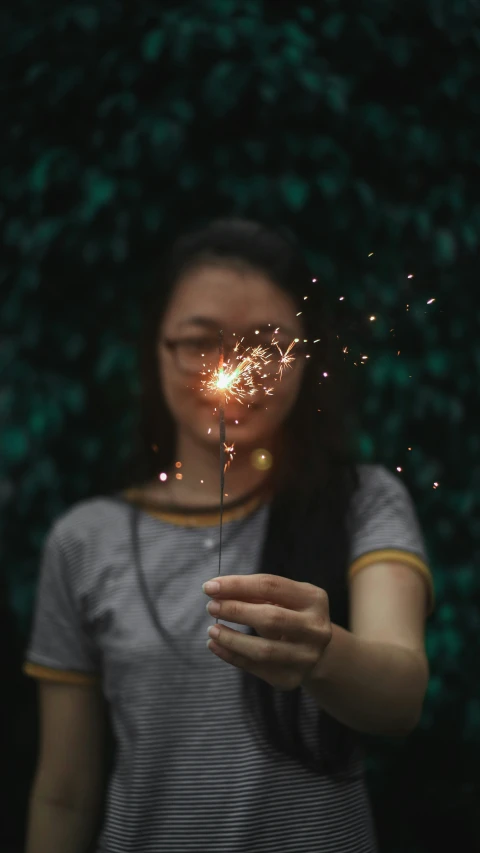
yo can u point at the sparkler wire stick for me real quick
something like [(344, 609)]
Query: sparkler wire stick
[(221, 410)]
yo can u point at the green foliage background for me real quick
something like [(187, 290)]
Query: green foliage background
[(126, 123)]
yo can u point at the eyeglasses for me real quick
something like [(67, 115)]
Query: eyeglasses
[(195, 354)]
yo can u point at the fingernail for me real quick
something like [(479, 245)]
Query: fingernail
[(211, 587)]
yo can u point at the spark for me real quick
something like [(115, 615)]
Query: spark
[(163, 477), (286, 358), (229, 454), (246, 379)]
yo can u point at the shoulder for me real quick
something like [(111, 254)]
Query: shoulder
[(382, 506), (378, 486), (87, 518), (377, 478), (383, 515)]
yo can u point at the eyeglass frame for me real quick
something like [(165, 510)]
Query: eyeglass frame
[(172, 345)]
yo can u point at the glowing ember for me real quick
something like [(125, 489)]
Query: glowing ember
[(229, 454)]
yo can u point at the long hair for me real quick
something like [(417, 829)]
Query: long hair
[(318, 470)]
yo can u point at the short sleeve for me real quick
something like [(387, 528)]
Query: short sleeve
[(59, 648), (384, 526)]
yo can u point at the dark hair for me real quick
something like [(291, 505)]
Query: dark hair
[(320, 468)]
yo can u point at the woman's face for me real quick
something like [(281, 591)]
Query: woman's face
[(242, 303)]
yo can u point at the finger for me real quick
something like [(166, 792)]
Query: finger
[(284, 592), (266, 619), (283, 678), (260, 651), (239, 661)]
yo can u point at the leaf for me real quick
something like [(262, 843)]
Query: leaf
[(40, 172), (225, 36), (14, 445), (332, 26), (74, 397), (313, 81), (444, 247), (336, 94), (152, 45), (436, 362), (99, 189), (328, 184), (295, 191), (86, 16), (365, 193)]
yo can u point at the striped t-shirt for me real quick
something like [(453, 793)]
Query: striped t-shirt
[(189, 775)]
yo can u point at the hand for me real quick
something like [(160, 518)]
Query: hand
[(292, 619)]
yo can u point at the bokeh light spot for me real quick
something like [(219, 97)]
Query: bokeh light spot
[(261, 459)]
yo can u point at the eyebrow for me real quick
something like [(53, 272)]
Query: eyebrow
[(200, 321), (208, 323)]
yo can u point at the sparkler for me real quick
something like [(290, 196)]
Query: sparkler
[(241, 382)]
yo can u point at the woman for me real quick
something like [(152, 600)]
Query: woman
[(253, 744)]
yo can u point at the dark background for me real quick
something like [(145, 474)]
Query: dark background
[(123, 124)]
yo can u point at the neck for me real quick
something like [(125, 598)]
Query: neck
[(200, 470)]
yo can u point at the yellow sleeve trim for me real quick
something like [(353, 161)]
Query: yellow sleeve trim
[(45, 673), (405, 557)]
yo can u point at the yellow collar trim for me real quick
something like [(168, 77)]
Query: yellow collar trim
[(193, 518)]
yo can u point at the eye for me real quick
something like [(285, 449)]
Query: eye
[(201, 345)]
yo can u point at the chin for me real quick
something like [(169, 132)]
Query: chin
[(250, 432), (249, 427)]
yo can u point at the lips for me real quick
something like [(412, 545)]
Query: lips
[(237, 415), (238, 418), (233, 408)]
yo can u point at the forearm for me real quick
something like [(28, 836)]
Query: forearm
[(372, 687), (54, 826)]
